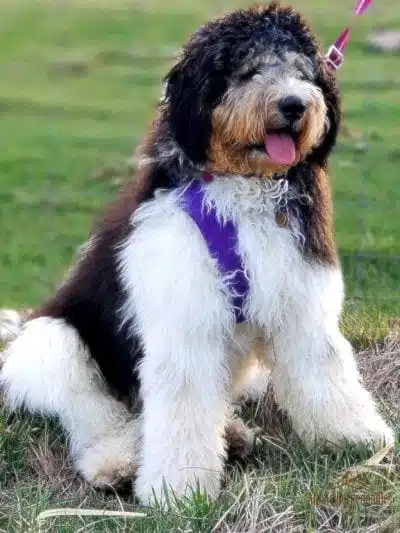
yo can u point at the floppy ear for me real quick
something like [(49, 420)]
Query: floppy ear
[(194, 87), (326, 80), (189, 117)]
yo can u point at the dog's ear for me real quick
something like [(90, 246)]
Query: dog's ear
[(326, 80), (189, 119), (192, 88)]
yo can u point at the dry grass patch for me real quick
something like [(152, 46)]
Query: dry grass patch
[(380, 368)]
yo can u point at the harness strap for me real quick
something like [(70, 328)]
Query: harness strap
[(222, 242)]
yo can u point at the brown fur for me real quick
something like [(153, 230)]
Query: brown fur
[(319, 228), (240, 439)]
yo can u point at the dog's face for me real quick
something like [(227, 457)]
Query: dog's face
[(252, 95), (271, 116)]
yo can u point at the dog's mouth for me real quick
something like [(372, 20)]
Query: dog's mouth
[(281, 147)]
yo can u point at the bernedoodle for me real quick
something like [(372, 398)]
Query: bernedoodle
[(223, 242)]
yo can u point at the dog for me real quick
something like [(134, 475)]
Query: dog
[(151, 316)]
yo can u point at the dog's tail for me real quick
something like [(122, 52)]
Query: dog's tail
[(11, 322)]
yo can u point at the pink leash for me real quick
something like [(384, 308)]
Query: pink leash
[(335, 55)]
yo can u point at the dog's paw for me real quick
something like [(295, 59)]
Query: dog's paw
[(240, 439), (106, 464), (166, 490), (375, 436)]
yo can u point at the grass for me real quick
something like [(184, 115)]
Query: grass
[(79, 81)]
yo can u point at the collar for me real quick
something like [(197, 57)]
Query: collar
[(222, 242)]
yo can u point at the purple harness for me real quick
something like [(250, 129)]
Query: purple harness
[(221, 241)]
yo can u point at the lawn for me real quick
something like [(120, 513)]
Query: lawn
[(79, 82)]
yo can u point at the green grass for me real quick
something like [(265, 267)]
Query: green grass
[(79, 82)]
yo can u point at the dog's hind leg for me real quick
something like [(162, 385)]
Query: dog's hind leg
[(48, 370)]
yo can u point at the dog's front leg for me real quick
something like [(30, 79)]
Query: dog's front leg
[(316, 381), (184, 408), (184, 319), (315, 376)]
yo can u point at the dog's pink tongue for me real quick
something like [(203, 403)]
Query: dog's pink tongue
[(280, 148)]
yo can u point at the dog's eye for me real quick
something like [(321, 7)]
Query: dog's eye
[(248, 75)]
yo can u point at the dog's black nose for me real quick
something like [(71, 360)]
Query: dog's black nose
[(292, 108)]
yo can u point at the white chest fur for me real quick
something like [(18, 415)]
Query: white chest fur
[(165, 261), (281, 280)]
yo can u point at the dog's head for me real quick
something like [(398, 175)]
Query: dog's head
[(252, 94)]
